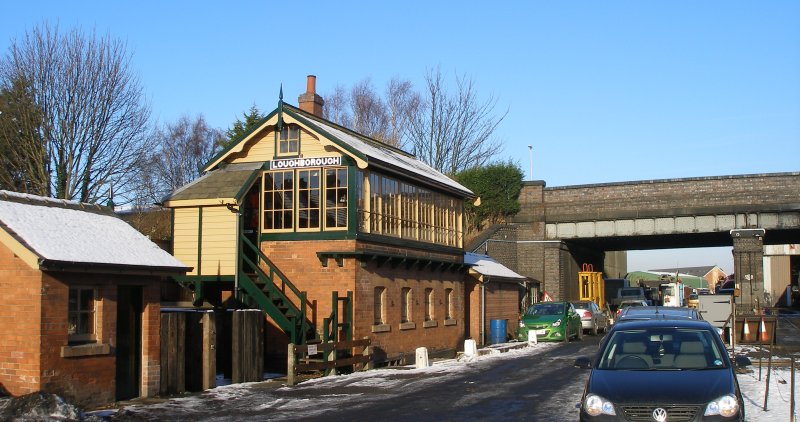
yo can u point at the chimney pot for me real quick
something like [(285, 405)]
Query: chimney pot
[(311, 84), (310, 102)]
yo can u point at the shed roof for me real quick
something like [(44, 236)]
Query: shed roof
[(64, 234), (487, 266), (223, 182), (695, 271)]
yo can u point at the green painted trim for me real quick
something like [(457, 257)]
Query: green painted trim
[(382, 258), (247, 185), (240, 139), (204, 278), (329, 235), (172, 231), (199, 240), (352, 201), (407, 243)]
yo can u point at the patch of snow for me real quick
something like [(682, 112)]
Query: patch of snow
[(71, 235)]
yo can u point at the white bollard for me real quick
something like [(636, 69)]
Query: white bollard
[(532, 339), (422, 358), (470, 348)]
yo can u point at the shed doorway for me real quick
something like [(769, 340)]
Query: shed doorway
[(129, 341)]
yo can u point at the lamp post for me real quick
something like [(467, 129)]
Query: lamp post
[(530, 150)]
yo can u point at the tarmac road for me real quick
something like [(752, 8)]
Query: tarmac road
[(541, 387)]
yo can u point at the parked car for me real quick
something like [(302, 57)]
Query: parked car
[(639, 313), (593, 318), (551, 321), (629, 303), (662, 369)]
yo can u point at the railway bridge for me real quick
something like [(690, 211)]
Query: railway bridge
[(560, 228)]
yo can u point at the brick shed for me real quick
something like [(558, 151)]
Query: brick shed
[(81, 292), (494, 292)]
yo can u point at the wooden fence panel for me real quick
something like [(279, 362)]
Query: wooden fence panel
[(248, 346), (173, 340)]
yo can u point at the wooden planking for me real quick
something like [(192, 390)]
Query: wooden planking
[(173, 338), (219, 241), (248, 346), (185, 230), (262, 148)]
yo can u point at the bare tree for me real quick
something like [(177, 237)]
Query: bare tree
[(93, 112), (453, 132), (336, 107), (180, 151), (402, 102), (363, 110)]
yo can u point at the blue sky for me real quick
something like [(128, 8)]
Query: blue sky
[(603, 91)]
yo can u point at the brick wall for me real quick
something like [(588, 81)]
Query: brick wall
[(20, 323), (708, 195), (501, 300), (33, 332), (299, 262)]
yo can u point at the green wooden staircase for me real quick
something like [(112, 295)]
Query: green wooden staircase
[(272, 292)]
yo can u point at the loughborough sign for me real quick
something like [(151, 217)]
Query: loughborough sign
[(293, 163)]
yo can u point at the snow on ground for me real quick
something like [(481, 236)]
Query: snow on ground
[(364, 388)]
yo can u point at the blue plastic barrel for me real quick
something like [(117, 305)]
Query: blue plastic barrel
[(497, 331)]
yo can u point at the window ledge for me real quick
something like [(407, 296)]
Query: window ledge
[(449, 322), (408, 325), (85, 350), (381, 328), (431, 323)]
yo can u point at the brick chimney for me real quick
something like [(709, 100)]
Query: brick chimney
[(310, 102)]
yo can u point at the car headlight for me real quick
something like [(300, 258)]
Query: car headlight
[(595, 405), (557, 323), (726, 406)]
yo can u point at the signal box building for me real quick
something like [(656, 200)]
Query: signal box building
[(328, 232), (81, 301)]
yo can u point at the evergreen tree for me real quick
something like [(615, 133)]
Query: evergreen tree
[(498, 185), (240, 128)]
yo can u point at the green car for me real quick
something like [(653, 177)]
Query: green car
[(551, 321)]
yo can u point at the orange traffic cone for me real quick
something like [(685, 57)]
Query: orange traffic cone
[(764, 333), (746, 337)]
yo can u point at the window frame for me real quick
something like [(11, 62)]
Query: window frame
[(280, 140), (90, 336), (430, 308)]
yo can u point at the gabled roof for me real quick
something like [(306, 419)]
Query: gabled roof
[(223, 183), (371, 151), (486, 266), (62, 235)]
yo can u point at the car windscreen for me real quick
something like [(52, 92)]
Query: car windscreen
[(546, 309), (662, 348)]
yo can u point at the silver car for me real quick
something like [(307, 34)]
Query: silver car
[(593, 318)]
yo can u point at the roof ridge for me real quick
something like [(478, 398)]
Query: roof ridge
[(30, 199), (361, 136)]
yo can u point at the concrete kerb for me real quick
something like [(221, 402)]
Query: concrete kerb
[(493, 349)]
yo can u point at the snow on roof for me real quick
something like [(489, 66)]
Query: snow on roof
[(485, 265), (389, 156), (68, 231)]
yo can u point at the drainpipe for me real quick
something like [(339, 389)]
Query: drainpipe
[(483, 310), (238, 259)]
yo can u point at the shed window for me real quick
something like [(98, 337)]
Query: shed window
[(81, 309)]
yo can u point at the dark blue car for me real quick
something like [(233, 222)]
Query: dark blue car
[(662, 370)]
